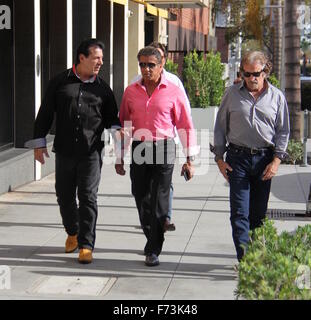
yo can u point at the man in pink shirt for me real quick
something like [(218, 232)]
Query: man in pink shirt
[(152, 107)]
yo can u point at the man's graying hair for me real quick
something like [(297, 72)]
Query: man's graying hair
[(251, 57), (150, 51)]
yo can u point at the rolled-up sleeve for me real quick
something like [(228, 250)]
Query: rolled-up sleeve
[(184, 125)]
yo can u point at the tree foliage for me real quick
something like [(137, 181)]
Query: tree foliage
[(247, 19)]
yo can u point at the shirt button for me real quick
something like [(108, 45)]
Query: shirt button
[(77, 140), (78, 116), (79, 104), (77, 128)]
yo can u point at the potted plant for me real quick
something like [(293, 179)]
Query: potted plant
[(204, 83)]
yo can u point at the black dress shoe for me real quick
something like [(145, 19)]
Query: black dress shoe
[(152, 260)]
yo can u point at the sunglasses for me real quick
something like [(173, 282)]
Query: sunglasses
[(255, 74), (149, 65)]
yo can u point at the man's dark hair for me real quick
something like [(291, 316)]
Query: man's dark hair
[(150, 51), (84, 48), (159, 45)]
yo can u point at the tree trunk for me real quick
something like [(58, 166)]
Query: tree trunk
[(277, 41), (292, 68)]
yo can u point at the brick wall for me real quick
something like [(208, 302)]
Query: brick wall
[(192, 19), (222, 45)]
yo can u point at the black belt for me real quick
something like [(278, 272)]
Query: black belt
[(249, 150)]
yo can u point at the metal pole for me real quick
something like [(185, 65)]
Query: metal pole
[(283, 49), (305, 139), (308, 210)]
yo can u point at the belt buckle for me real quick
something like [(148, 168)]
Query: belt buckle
[(254, 151)]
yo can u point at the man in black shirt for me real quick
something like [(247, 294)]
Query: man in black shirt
[(84, 105)]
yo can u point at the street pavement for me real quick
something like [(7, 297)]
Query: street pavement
[(197, 262)]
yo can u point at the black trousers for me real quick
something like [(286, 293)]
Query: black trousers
[(151, 175), (78, 175)]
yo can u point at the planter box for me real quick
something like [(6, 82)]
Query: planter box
[(204, 118)]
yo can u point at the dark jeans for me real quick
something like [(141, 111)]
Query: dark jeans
[(249, 194), (151, 182), (80, 176)]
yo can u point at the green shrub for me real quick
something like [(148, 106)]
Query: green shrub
[(295, 152), (203, 79), (271, 266), (172, 67), (274, 81)]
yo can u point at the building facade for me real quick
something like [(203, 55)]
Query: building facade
[(38, 40)]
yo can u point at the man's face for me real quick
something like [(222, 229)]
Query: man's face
[(254, 82), (91, 65), (150, 68)]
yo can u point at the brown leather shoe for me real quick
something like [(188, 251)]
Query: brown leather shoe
[(71, 244), (85, 256)]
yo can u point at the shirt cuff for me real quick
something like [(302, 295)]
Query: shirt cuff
[(281, 155), (218, 151), (115, 127), (192, 151), (35, 143)]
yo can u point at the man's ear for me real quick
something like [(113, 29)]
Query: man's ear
[(81, 57)]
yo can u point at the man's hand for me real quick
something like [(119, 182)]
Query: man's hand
[(119, 167), (271, 169), (123, 133), (223, 168), (39, 154), (187, 167)]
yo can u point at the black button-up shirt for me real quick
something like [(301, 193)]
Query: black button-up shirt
[(83, 110)]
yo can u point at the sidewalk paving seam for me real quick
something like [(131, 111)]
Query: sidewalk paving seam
[(38, 248), (301, 184), (189, 239)]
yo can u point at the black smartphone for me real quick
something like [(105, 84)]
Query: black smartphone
[(186, 175)]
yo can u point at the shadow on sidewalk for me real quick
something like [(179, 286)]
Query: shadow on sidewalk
[(99, 227), (284, 187), (54, 259)]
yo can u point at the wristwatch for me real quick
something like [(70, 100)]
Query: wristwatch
[(191, 158)]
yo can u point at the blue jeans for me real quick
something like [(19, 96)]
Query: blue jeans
[(249, 194)]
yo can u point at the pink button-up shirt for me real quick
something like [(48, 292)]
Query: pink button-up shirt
[(154, 118)]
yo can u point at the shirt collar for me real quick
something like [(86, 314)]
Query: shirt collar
[(91, 80), (163, 81)]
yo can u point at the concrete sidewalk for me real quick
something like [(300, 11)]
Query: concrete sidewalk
[(197, 259)]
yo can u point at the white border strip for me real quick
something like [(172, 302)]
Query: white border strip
[(111, 47), (69, 34), (126, 45), (94, 2), (37, 71)]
